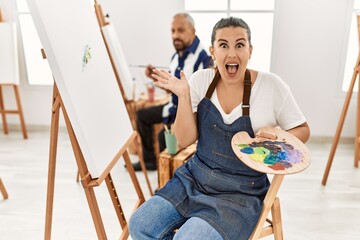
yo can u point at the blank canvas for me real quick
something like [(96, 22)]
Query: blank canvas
[(9, 61), (119, 60), (71, 37)]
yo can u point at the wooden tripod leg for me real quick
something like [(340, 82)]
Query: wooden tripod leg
[(3, 114), (20, 111), (141, 199), (357, 130), (3, 190), (94, 208), (52, 165), (85, 179), (267, 204), (341, 122), (276, 219), (134, 179), (142, 163), (115, 200)]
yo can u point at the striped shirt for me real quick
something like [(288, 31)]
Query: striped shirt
[(194, 58)]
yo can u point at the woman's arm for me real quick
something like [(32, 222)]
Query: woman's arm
[(302, 132), (185, 127)]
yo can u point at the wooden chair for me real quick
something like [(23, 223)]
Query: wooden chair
[(266, 226), (3, 190)]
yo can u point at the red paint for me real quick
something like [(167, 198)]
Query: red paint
[(277, 166)]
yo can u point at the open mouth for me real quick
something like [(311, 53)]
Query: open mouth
[(232, 68)]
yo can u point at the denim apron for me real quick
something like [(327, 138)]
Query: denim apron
[(214, 184)]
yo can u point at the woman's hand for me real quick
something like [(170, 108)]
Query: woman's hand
[(168, 82)]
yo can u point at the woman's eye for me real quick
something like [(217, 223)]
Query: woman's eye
[(223, 45), (239, 45)]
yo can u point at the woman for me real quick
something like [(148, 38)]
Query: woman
[(214, 195)]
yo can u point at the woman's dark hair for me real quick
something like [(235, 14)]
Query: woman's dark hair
[(230, 22)]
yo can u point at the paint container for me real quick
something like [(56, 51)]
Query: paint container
[(171, 143)]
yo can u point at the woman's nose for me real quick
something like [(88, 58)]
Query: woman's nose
[(231, 53)]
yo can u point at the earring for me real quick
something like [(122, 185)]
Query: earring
[(214, 63)]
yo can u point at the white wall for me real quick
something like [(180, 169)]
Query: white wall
[(310, 42), (309, 45)]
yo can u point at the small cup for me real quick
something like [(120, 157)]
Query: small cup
[(171, 143), (151, 93)]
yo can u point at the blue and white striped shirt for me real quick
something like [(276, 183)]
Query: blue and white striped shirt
[(194, 58)]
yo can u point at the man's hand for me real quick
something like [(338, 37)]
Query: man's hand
[(148, 71)]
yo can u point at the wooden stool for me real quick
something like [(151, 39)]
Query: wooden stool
[(167, 164)]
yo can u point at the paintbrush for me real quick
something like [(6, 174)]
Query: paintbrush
[(167, 129)]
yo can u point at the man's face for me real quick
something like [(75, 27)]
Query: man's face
[(182, 32)]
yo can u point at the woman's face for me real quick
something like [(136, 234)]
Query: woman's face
[(231, 50)]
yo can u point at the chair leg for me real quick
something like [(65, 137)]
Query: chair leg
[(276, 219)]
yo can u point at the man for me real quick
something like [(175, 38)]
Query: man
[(189, 57)]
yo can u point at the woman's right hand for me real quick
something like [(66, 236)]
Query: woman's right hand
[(166, 81)]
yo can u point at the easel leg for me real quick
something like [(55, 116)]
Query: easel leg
[(134, 179), (117, 206), (52, 165), (357, 130), (3, 190), (3, 114), (341, 121), (21, 115), (94, 209), (142, 163)]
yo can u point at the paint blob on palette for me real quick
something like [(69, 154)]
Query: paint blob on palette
[(271, 151)]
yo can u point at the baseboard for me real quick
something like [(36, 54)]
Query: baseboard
[(30, 128), (39, 128), (327, 139)]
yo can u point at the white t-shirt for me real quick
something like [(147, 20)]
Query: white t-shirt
[(271, 102)]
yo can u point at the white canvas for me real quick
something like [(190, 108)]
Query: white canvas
[(71, 37), (9, 61), (119, 60)]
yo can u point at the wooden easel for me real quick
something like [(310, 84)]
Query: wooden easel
[(1, 16), (19, 111), (87, 181), (335, 142), (3, 190), (4, 111), (130, 104)]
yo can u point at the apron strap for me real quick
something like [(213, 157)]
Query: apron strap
[(246, 94), (213, 85)]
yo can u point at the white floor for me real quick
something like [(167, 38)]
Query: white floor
[(309, 210)]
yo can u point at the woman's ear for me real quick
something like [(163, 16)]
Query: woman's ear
[(211, 50)]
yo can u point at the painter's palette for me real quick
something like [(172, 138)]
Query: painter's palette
[(272, 151)]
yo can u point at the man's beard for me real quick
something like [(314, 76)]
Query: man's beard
[(179, 47)]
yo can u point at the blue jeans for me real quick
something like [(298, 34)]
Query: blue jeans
[(157, 219)]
